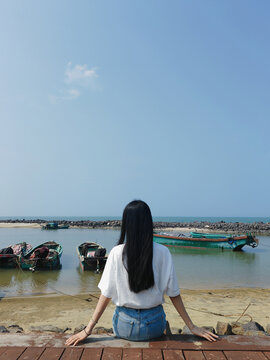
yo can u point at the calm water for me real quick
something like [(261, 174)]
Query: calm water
[(195, 268)]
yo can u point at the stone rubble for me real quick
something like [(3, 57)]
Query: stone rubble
[(252, 328), (256, 228)]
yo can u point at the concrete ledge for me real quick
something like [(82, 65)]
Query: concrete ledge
[(58, 340), (182, 342)]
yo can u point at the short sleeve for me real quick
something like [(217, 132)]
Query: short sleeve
[(173, 287), (107, 283)]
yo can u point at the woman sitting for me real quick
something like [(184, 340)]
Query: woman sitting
[(137, 274)]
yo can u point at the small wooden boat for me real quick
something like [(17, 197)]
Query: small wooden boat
[(35, 259), (10, 257), (231, 243), (54, 226), (92, 256)]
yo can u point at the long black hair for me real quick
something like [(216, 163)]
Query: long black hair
[(137, 234)]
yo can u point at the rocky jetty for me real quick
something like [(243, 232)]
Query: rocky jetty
[(256, 228)]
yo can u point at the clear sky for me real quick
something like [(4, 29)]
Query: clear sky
[(102, 102)]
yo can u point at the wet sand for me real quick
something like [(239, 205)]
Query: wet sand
[(205, 308)]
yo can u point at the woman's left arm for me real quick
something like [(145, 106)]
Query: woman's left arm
[(101, 306), (179, 306)]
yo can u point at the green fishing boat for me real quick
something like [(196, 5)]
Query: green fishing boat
[(54, 226), (231, 243), (92, 256), (45, 256)]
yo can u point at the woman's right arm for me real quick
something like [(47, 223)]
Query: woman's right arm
[(179, 306), (101, 306)]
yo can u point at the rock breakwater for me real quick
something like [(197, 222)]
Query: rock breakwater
[(256, 228)]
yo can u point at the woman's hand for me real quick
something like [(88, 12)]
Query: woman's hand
[(75, 339), (208, 335)]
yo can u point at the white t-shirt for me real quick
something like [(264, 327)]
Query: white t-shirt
[(114, 281)]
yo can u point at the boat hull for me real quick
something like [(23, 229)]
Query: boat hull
[(232, 243), (8, 261), (93, 264)]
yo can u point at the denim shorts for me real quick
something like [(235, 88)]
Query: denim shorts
[(139, 325)]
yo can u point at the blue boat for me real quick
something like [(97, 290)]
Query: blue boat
[(54, 226)]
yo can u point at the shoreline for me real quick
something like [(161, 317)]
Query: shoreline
[(205, 307), (97, 293), (202, 226)]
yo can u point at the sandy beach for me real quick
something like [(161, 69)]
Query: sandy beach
[(38, 226), (205, 308), (20, 225)]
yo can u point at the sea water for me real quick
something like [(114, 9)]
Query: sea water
[(195, 268)]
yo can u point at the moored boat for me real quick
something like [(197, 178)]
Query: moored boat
[(92, 256), (9, 257), (228, 243), (54, 226), (45, 256)]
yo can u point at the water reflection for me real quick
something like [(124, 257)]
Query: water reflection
[(178, 253), (25, 282), (6, 277), (87, 280), (213, 268)]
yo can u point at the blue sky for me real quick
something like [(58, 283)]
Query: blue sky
[(102, 102)]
